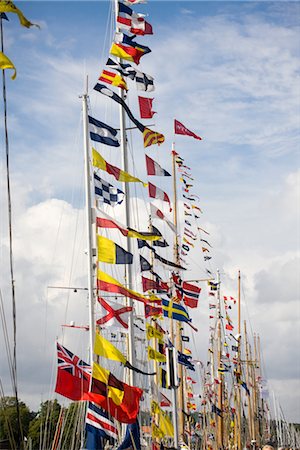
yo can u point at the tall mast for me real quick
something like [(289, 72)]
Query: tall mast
[(89, 221), (248, 362), (220, 385), (238, 435)]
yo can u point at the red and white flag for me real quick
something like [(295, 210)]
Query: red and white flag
[(112, 313), (155, 192), (153, 168), (190, 294), (181, 129), (158, 214), (145, 105), (164, 401)]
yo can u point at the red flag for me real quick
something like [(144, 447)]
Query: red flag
[(73, 375), (149, 284), (163, 400), (190, 294), (181, 129), (145, 105), (153, 168), (155, 192), (228, 327), (114, 312), (151, 311)]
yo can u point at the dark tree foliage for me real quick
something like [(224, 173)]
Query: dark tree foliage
[(43, 427), (9, 426)]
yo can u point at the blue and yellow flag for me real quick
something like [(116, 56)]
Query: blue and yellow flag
[(175, 311), (112, 253)]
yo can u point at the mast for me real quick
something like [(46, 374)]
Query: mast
[(238, 436), (220, 424), (250, 410)]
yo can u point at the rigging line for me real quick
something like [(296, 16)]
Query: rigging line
[(7, 421), (9, 206), (6, 338)]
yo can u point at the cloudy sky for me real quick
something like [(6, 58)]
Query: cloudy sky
[(230, 72)]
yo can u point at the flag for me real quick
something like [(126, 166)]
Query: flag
[(126, 70), (106, 349), (107, 283), (174, 311), (125, 48), (103, 220), (133, 2), (153, 333), (189, 379), (216, 410), (181, 129), (145, 265), (120, 399), (190, 294), (120, 175), (213, 286), (73, 374), (5, 63), (149, 284), (152, 311), (159, 243), (132, 438), (154, 355), (165, 425), (185, 338), (167, 263), (164, 401), (145, 105), (8, 6), (158, 214), (99, 426), (229, 327), (211, 306), (114, 79), (132, 22), (152, 137), (112, 253), (153, 168), (185, 360), (155, 192), (144, 82), (106, 192), (244, 385), (111, 94), (113, 312)]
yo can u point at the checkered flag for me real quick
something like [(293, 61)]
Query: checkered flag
[(107, 193)]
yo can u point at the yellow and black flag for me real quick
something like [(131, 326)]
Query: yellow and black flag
[(112, 253)]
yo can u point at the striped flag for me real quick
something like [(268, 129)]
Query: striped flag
[(100, 132), (107, 193), (153, 168), (152, 137), (158, 214), (155, 192), (132, 22), (144, 82), (99, 426), (125, 48), (114, 79), (126, 70)]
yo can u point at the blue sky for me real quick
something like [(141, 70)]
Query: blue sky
[(230, 72)]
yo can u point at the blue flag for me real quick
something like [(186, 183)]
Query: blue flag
[(175, 311), (100, 132), (132, 437), (100, 428), (107, 193)]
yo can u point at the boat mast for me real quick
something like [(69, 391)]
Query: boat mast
[(238, 435), (220, 424)]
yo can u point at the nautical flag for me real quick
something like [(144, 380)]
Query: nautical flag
[(152, 137), (185, 360), (153, 311), (156, 356), (153, 333), (112, 253), (234, 348), (133, 22), (111, 94), (5, 63), (145, 105), (159, 243), (106, 349), (189, 379), (144, 264), (164, 401), (8, 6), (167, 263), (103, 220), (158, 214), (114, 79), (144, 82), (100, 132), (125, 48), (120, 175), (73, 374), (155, 192), (149, 284), (212, 306), (175, 311), (107, 283), (99, 425), (181, 129), (190, 294), (153, 168), (120, 399), (124, 69), (185, 338), (142, 243), (216, 410), (112, 312), (132, 438), (244, 385), (229, 327), (106, 192), (133, 2), (213, 286)]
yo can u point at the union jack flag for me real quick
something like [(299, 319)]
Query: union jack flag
[(66, 360)]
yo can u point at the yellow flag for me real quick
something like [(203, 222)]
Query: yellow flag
[(157, 356), (152, 332), (8, 6), (156, 432), (104, 376), (106, 349), (5, 63), (164, 422)]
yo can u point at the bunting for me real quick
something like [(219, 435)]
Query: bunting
[(145, 105), (125, 48), (158, 214), (155, 192), (112, 253), (179, 128), (112, 312), (114, 79), (153, 168)]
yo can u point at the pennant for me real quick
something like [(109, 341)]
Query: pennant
[(167, 263), (229, 327), (244, 385), (5, 63), (152, 311), (126, 70), (120, 399), (185, 361), (174, 311), (98, 425), (144, 264), (114, 79), (158, 214), (179, 128), (155, 192), (103, 220), (125, 48), (132, 438), (189, 379), (149, 284), (113, 311), (120, 175), (106, 349), (112, 253), (109, 93), (107, 283), (164, 401), (73, 374), (152, 137), (153, 168), (145, 105), (8, 6), (107, 193), (154, 355), (144, 82)]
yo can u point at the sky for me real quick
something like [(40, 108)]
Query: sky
[(230, 72)]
